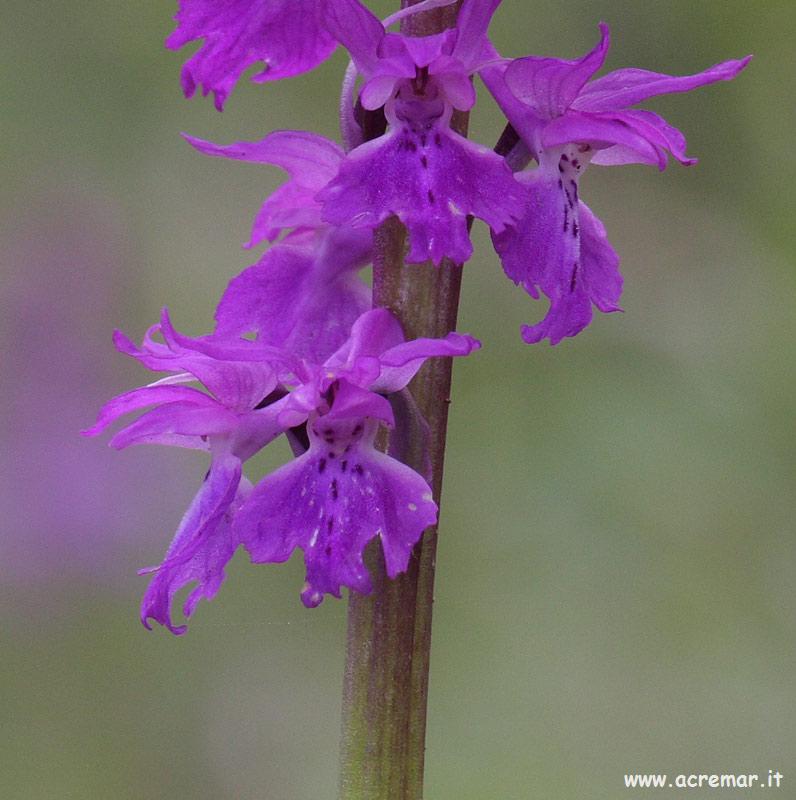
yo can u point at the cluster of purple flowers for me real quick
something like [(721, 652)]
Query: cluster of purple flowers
[(297, 349)]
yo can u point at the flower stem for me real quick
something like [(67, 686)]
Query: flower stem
[(385, 687)]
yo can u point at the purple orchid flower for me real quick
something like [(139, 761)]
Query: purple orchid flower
[(420, 170), (304, 294), (284, 34), (342, 492), (567, 122), (227, 422)]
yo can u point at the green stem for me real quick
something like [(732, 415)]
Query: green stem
[(385, 686)]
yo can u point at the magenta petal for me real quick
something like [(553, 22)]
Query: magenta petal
[(457, 88), (560, 248), (431, 181), (604, 130), (177, 424), (357, 29), (201, 548), (548, 86), (472, 25), (285, 34), (377, 91), (310, 160), (600, 279), (290, 206), (141, 398), (657, 131), (331, 502), (303, 294), (238, 385), (373, 332), (542, 239), (354, 402), (401, 363), (626, 87), (598, 282), (525, 122)]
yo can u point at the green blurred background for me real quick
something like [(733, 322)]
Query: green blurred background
[(617, 558)]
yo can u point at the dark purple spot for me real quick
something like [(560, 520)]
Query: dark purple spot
[(423, 140), (560, 168), (329, 526), (334, 489), (566, 218), (358, 469), (574, 279), (424, 162), (437, 140), (322, 465), (344, 465), (431, 198), (574, 228), (575, 163), (565, 157), (332, 454), (328, 550), (560, 184), (357, 430)]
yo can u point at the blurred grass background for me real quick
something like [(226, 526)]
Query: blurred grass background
[(617, 558)]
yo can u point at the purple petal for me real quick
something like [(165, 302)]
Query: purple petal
[(141, 398), (303, 296), (238, 385), (542, 239), (525, 122), (560, 248), (604, 130), (454, 82), (473, 23), (310, 160), (377, 91), (599, 283), (201, 548), (256, 429), (423, 50), (401, 363), (357, 29), (371, 334), (290, 206), (354, 402), (331, 502), (658, 132), (548, 86), (285, 34), (177, 425), (600, 279), (626, 87), (431, 181)]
